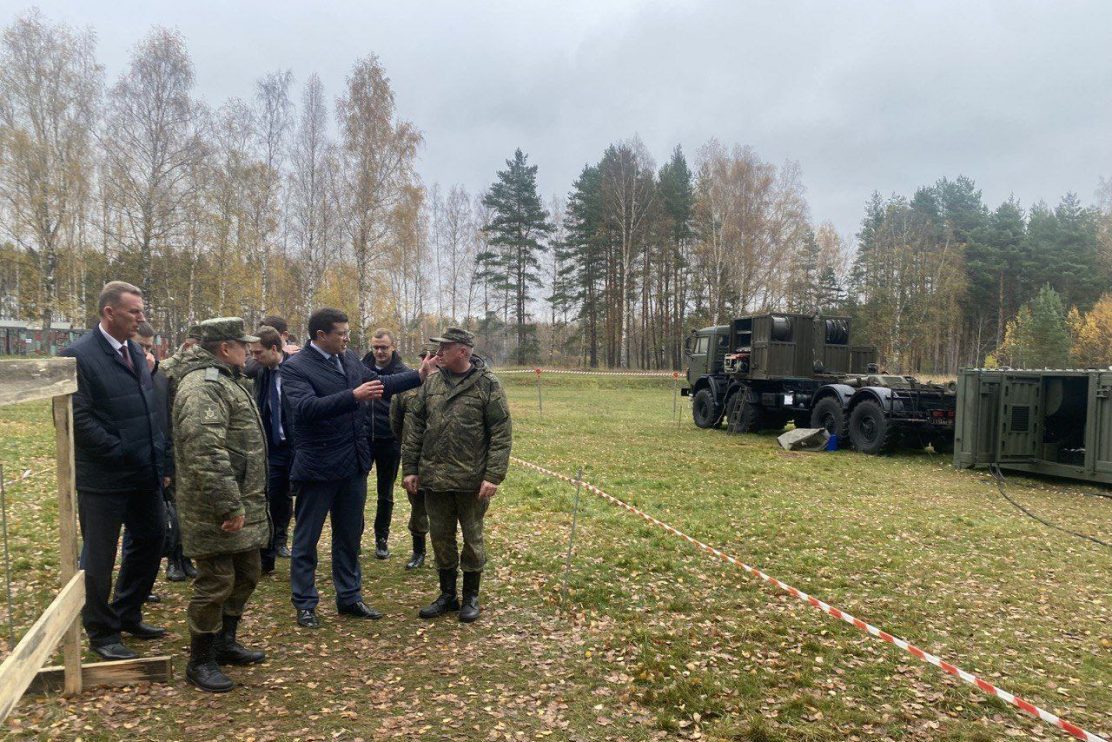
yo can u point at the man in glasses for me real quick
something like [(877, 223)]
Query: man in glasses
[(328, 391), (386, 451)]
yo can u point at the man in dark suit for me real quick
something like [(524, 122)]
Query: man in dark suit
[(118, 454), (329, 389), (253, 367), (273, 406)]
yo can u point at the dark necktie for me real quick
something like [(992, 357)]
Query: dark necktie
[(127, 358), (336, 362), (275, 411)]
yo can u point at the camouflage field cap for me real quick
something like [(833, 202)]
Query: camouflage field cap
[(455, 335), (194, 332), (225, 328)]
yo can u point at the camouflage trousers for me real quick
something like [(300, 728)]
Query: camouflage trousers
[(446, 510), (418, 517), (223, 584)]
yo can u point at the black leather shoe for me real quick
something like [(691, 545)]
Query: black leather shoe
[(114, 651), (307, 618), (284, 551), (447, 600), (175, 572), (190, 570), (360, 610), (145, 631), (469, 606), (382, 548), (153, 598), (202, 670)]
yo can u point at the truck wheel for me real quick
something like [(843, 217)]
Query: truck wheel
[(746, 417), (828, 413), (870, 429), (704, 411)]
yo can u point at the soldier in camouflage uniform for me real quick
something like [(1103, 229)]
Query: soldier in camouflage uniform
[(418, 518), (221, 469), (457, 449)]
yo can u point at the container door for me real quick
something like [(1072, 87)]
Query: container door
[(1020, 418), (1102, 443)]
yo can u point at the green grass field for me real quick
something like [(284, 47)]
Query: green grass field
[(656, 639)]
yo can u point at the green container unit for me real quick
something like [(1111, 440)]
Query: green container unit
[(1047, 421)]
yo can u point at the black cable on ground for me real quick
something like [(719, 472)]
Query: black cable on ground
[(994, 470)]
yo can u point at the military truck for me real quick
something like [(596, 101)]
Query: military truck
[(762, 371)]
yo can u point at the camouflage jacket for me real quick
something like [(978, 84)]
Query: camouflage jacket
[(220, 455), (399, 403), (457, 432)]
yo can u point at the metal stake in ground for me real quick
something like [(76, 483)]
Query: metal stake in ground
[(675, 392), (7, 558), (540, 404), (571, 536)]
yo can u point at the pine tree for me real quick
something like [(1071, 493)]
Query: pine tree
[(1039, 336), (515, 228), (585, 256)]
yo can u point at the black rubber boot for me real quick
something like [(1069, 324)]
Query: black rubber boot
[(202, 670), (447, 601), (418, 558), (174, 571), (231, 652), (469, 610)]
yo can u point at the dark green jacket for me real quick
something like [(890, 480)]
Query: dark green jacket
[(220, 454), (457, 432), (398, 406)]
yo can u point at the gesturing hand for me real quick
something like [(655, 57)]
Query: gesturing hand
[(368, 391), (231, 525), (487, 490), (411, 483), (430, 365)]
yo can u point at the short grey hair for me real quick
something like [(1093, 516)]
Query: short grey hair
[(112, 291)]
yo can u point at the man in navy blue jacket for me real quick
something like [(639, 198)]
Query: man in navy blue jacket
[(328, 390), (118, 451)]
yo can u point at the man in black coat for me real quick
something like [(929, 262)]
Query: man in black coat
[(386, 452), (118, 450), (329, 389), (273, 406)]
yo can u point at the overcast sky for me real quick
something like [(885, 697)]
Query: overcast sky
[(866, 96)]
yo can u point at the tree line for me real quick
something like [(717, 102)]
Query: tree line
[(291, 200)]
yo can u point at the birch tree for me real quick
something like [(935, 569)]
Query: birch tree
[(50, 87), (378, 153)]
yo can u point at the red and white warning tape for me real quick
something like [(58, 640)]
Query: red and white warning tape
[(830, 610), (658, 374)]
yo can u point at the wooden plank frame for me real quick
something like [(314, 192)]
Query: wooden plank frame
[(36, 646), (56, 379)]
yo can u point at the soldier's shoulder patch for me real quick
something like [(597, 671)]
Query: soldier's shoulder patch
[(210, 414), (212, 373)]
